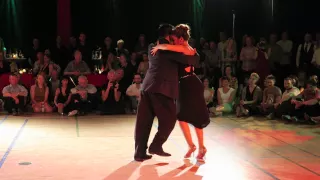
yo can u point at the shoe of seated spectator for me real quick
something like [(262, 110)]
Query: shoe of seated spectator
[(270, 116), (72, 113), (310, 120), (286, 118)]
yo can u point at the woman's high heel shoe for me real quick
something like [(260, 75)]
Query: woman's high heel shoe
[(201, 154), (190, 152)]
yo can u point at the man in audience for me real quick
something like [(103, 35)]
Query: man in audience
[(285, 106), (271, 96), (306, 103), (85, 50), (305, 53), (83, 97), (133, 92), (14, 96), (77, 67)]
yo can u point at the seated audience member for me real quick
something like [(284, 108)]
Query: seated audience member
[(285, 105), (39, 95), (83, 97), (271, 96), (14, 96), (302, 78), (307, 105), (208, 93), (225, 97), (133, 92), (4, 65), (62, 96), (48, 66), (128, 73), (250, 97), (316, 117), (53, 84), (38, 64), (233, 80), (144, 65), (77, 67), (110, 96)]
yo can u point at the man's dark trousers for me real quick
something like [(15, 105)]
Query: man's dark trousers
[(151, 105)]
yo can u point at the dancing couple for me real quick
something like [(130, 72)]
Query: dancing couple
[(170, 76)]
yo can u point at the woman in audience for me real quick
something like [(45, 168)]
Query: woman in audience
[(38, 64), (110, 96), (39, 95), (262, 60), (248, 57), (208, 93), (62, 96), (233, 80), (144, 65), (225, 96), (133, 62), (48, 66), (250, 97), (111, 63)]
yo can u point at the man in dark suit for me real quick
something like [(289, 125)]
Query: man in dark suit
[(159, 91)]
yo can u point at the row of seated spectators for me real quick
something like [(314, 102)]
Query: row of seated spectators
[(293, 104), (71, 95)]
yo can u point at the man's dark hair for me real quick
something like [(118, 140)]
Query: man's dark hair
[(14, 74), (271, 77), (165, 30)]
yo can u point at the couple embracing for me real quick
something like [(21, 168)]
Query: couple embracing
[(169, 79)]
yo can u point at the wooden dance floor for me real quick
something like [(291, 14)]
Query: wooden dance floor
[(50, 147)]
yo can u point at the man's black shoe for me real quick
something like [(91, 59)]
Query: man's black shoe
[(159, 152), (142, 158)]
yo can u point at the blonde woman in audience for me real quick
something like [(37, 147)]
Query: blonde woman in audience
[(225, 96), (39, 95), (144, 65)]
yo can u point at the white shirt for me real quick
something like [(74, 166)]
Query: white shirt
[(286, 46), (225, 96), (133, 90)]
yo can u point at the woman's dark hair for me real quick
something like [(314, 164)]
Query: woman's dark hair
[(182, 30), (69, 83), (294, 79), (225, 78), (165, 30), (224, 70)]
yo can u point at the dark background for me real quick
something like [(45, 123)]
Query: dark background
[(127, 19)]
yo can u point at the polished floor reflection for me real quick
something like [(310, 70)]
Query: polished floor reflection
[(93, 147)]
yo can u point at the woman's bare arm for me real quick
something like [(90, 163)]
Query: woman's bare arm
[(176, 48)]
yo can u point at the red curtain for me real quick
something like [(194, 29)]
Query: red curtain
[(64, 20)]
